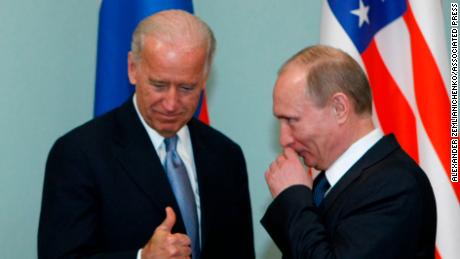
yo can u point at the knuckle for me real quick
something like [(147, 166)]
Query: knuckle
[(172, 250), (169, 240)]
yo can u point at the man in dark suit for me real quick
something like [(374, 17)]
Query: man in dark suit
[(370, 200), (108, 182)]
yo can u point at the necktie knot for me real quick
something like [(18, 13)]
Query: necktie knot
[(171, 151), (171, 143)]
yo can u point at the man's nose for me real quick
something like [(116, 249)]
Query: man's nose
[(286, 138), (170, 100)]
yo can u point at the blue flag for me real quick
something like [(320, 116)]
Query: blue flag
[(117, 21)]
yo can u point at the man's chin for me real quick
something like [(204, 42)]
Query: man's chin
[(308, 161)]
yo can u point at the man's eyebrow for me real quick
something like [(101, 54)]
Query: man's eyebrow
[(156, 81), (189, 84)]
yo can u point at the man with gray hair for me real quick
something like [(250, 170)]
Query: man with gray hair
[(370, 200), (148, 180)]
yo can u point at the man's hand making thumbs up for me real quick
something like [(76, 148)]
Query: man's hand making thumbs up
[(164, 244)]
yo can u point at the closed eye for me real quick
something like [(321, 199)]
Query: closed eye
[(158, 85), (187, 88)]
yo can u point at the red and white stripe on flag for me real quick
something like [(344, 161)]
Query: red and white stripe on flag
[(405, 57)]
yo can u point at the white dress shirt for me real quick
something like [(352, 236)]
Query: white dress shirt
[(185, 151), (338, 169)]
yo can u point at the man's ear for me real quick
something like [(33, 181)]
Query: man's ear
[(341, 106), (132, 68)]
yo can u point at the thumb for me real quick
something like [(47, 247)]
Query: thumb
[(169, 221)]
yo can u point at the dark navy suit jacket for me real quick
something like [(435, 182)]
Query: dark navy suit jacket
[(383, 207), (105, 191)]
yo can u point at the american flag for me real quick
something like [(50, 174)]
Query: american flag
[(401, 46)]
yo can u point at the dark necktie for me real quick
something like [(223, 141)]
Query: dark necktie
[(180, 183), (320, 186)]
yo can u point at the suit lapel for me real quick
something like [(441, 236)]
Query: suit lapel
[(139, 159), (205, 163), (375, 154)]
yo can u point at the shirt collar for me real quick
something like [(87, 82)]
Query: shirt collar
[(338, 169)]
